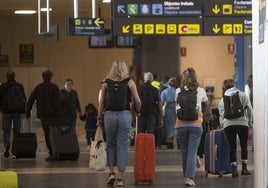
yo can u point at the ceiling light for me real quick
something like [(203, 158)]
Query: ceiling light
[(45, 9), (106, 1), (25, 12)]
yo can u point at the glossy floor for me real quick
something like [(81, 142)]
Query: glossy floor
[(37, 173)]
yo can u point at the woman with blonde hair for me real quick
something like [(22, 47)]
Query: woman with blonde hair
[(189, 132), (118, 91)]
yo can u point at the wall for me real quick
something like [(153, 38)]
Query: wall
[(209, 57), (71, 56)]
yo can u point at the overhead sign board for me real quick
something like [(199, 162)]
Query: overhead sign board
[(160, 26), (84, 26), (157, 8), (182, 17), (227, 8), (228, 26)]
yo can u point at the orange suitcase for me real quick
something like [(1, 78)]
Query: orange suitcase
[(144, 161)]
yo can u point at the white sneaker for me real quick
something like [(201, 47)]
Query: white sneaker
[(111, 179), (189, 182)]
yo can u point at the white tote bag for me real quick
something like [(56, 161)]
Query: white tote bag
[(98, 153)]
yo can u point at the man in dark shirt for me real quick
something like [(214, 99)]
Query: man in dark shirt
[(46, 95), (151, 107), (11, 115)]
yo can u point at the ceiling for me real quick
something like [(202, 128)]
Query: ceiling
[(59, 7)]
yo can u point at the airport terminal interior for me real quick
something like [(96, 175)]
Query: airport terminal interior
[(33, 173)]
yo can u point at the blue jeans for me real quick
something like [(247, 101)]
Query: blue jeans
[(189, 138), (6, 127), (117, 127)]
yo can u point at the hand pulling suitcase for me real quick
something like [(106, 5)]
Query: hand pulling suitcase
[(25, 143), (144, 161), (8, 179), (64, 140), (217, 159)]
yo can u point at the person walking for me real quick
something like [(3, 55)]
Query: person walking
[(189, 132), (12, 106), (118, 90), (46, 95), (90, 116), (169, 119), (236, 126), (151, 116), (69, 102)]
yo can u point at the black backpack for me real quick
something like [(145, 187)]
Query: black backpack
[(187, 100), (16, 99), (118, 97), (233, 107)]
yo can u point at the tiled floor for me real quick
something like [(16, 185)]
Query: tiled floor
[(37, 173)]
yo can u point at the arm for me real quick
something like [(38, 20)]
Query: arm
[(30, 102), (77, 103), (101, 102), (135, 96)]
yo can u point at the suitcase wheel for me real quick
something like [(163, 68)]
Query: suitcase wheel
[(136, 183), (150, 182)]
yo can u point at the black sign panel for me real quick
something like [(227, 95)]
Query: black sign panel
[(227, 26), (157, 8), (227, 8), (160, 26), (84, 26)]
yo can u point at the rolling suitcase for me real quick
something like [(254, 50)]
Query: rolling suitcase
[(144, 161), (64, 140), (217, 160), (25, 145), (25, 142)]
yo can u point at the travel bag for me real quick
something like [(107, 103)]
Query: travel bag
[(63, 138), (217, 159), (144, 159), (98, 151), (25, 142), (8, 179)]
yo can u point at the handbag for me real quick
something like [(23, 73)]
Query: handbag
[(98, 152)]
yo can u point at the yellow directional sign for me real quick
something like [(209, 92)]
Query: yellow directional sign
[(227, 29), (238, 29), (148, 28), (171, 29), (216, 28), (216, 9), (227, 26), (99, 22), (227, 9), (160, 29), (125, 29), (189, 29), (137, 29)]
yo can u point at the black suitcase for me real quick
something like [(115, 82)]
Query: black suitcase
[(25, 145), (64, 141)]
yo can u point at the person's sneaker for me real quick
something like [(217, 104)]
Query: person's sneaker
[(189, 182), (49, 158), (119, 183), (111, 179), (13, 156), (6, 153)]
